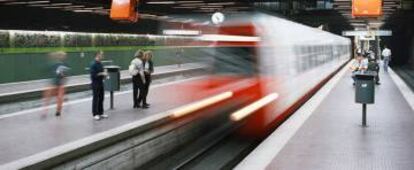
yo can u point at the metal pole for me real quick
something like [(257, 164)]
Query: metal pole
[(112, 99), (364, 114)]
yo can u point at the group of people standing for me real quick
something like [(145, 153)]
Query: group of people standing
[(367, 61), (141, 69)]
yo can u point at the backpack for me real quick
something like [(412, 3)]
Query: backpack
[(133, 71)]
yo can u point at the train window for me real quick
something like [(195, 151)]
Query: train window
[(234, 60)]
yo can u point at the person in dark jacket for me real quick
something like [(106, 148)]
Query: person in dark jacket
[(148, 70), (374, 66), (97, 76)]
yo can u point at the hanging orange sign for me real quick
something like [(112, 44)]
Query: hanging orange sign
[(366, 8), (124, 10)]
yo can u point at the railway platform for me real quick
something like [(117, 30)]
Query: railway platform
[(43, 134), (12, 92), (326, 133)]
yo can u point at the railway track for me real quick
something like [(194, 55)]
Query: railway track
[(221, 148)]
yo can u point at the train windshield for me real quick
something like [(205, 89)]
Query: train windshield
[(239, 61)]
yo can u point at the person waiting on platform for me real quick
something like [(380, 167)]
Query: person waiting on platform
[(359, 64), (98, 74), (136, 69), (148, 70), (386, 53), (57, 88), (373, 65)]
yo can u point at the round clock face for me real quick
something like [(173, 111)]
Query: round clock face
[(217, 18)]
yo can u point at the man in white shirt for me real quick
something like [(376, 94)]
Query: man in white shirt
[(386, 53), (136, 69)]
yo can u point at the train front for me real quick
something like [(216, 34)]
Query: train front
[(256, 76)]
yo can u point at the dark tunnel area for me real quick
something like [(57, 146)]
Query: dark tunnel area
[(402, 41)]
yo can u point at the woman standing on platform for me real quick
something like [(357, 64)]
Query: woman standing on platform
[(148, 70), (138, 80)]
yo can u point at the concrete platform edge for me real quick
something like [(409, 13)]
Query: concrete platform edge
[(262, 156), (404, 89)]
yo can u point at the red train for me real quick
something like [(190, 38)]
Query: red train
[(265, 65)]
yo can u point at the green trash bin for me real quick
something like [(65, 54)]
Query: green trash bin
[(365, 87), (112, 81)]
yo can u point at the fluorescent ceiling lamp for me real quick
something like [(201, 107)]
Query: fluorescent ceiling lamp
[(74, 6), (94, 8), (185, 7), (38, 2), (161, 2), (221, 3), (15, 3), (185, 2), (181, 32), (60, 4), (82, 10)]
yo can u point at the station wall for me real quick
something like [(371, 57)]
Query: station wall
[(16, 67)]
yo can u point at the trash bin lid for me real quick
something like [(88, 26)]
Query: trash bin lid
[(365, 74), (112, 68)]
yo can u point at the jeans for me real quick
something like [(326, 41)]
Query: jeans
[(386, 61)]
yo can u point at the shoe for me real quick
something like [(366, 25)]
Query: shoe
[(145, 107), (378, 83), (97, 117), (147, 104), (57, 114), (353, 84), (104, 116)]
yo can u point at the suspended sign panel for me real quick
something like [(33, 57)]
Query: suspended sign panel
[(366, 8), (124, 10)]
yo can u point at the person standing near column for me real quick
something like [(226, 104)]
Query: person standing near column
[(138, 80), (148, 70), (386, 53), (97, 76)]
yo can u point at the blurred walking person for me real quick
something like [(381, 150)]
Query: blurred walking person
[(136, 69), (97, 76), (386, 53), (148, 70), (58, 80)]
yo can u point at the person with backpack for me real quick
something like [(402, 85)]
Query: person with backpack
[(136, 69), (59, 72)]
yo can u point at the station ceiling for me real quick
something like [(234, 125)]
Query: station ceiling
[(163, 9)]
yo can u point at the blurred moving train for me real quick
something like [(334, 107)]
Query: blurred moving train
[(265, 65)]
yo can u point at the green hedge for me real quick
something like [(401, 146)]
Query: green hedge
[(4, 39), (24, 40), (30, 39), (77, 40)]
